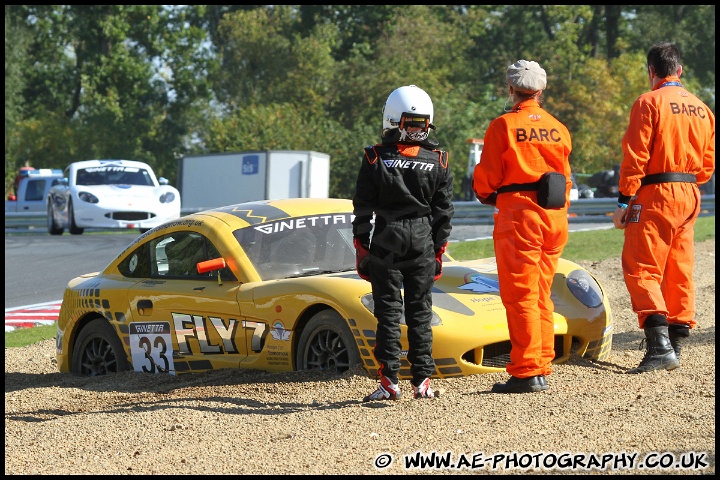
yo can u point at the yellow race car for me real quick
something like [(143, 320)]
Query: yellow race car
[(271, 285)]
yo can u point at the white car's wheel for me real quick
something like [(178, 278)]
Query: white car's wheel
[(72, 228), (52, 227)]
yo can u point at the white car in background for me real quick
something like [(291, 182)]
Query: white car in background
[(110, 194)]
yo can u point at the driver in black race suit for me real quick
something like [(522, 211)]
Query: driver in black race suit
[(405, 182)]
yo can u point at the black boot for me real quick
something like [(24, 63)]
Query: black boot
[(678, 334), (659, 354), (521, 385)]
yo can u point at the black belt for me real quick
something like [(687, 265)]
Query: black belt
[(518, 187), (668, 177)]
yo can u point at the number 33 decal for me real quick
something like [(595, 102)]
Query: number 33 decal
[(151, 347)]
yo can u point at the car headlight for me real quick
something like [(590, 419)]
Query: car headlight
[(584, 287), (167, 197), (369, 303), (88, 197)]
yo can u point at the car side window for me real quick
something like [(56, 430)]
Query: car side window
[(35, 190), (177, 255), (137, 264)]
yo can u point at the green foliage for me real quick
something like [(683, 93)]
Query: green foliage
[(17, 39), (153, 83), (607, 90), (97, 85)]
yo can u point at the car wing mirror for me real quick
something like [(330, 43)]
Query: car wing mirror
[(210, 265)]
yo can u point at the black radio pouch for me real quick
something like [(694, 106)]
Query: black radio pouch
[(551, 190)]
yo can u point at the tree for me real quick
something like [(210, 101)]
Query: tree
[(153, 83), (16, 42), (113, 82)]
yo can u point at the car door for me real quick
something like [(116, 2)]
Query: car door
[(33, 199), (198, 312)]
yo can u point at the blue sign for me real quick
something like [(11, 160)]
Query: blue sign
[(250, 164)]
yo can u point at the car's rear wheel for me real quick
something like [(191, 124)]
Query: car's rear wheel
[(98, 350), (52, 227), (326, 343), (72, 228)]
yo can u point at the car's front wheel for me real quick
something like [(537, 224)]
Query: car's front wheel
[(72, 228), (52, 227), (98, 350), (326, 343)]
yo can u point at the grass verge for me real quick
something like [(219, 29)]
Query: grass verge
[(27, 336), (589, 245)]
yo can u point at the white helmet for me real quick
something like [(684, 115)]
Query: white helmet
[(409, 106)]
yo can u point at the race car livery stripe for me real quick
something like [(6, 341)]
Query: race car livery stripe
[(257, 213)]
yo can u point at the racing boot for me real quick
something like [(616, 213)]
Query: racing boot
[(424, 391), (678, 334), (387, 390), (659, 353)]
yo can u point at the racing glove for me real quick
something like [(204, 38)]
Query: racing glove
[(438, 260), (362, 260)]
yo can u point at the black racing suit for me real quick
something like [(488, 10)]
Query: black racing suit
[(408, 186)]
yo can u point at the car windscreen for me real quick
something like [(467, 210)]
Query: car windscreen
[(300, 246), (113, 175)]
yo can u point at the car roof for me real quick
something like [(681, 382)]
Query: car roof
[(42, 172), (251, 213), (99, 163)]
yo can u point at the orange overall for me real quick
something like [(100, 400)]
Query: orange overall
[(519, 147), (670, 130)]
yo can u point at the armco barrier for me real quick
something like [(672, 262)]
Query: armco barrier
[(466, 213), (33, 220), (582, 210)]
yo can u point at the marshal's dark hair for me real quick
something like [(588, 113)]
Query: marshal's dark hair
[(664, 57)]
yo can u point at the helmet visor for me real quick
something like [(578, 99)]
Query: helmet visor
[(409, 119)]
